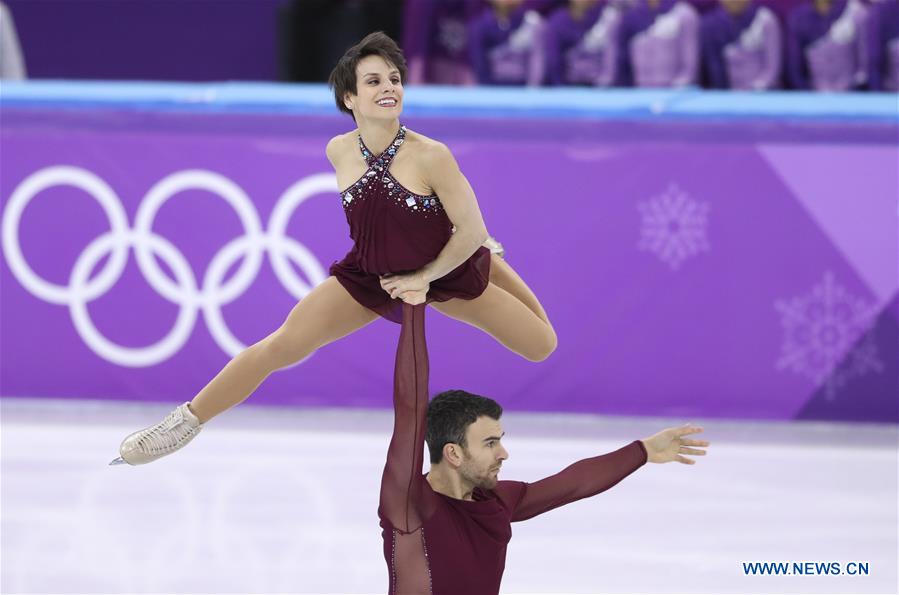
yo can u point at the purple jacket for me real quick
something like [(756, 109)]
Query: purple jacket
[(659, 47), (827, 52), (508, 52), (582, 52), (743, 51), (435, 40), (883, 46)]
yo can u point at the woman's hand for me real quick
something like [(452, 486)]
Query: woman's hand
[(670, 445), (411, 288)]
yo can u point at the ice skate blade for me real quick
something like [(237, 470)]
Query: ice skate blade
[(118, 461)]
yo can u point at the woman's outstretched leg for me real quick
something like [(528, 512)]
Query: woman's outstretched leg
[(511, 314), (325, 315)]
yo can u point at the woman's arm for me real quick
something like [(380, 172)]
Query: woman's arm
[(332, 150), (458, 199), (442, 174)]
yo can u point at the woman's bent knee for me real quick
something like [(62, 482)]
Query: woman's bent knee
[(542, 348)]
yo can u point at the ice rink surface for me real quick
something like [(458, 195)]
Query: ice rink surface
[(273, 500)]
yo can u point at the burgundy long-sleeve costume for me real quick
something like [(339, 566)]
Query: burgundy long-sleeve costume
[(437, 544)]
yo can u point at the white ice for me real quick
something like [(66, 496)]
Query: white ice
[(274, 500)]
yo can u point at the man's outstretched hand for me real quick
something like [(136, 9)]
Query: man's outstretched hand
[(670, 445)]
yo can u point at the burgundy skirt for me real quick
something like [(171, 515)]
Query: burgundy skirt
[(467, 281)]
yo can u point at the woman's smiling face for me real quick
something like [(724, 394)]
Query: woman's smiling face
[(379, 90)]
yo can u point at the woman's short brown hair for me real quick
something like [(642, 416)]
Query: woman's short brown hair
[(343, 77)]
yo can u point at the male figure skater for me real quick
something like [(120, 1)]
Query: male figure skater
[(446, 532)]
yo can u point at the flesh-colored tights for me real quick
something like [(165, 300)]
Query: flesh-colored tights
[(507, 310)]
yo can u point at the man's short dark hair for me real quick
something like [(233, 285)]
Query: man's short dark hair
[(343, 77), (449, 415)]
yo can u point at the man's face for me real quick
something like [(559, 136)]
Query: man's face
[(483, 454), (377, 81)]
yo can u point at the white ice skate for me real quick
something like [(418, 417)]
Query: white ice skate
[(174, 432), (494, 247)]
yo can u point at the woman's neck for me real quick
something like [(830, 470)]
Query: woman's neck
[(378, 134)]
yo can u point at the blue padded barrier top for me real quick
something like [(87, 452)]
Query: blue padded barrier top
[(468, 102)]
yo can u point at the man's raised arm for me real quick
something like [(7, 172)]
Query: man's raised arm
[(401, 484)]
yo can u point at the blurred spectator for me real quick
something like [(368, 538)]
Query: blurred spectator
[(783, 8), (704, 6), (826, 45), (329, 27), (883, 45), (435, 40), (581, 43), (12, 65), (545, 7), (659, 44), (741, 46), (506, 44)]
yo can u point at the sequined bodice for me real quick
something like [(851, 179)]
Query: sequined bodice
[(393, 229), (378, 174)]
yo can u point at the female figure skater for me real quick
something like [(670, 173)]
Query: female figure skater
[(418, 238)]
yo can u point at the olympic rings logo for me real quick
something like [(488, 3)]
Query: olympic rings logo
[(184, 292)]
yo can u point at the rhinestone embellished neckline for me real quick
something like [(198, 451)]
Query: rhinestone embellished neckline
[(378, 171), (390, 151)]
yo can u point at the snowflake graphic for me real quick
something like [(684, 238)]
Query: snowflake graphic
[(820, 329), (674, 226)]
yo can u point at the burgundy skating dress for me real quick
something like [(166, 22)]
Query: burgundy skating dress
[(437, 544), (396, 231)]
